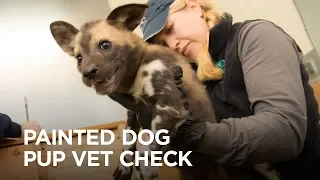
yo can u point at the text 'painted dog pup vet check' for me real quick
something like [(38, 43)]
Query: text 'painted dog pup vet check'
[(147, 157)]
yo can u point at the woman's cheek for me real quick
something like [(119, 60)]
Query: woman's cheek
[(194, 50)]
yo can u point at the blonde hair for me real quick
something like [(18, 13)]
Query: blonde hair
[(206, 69)]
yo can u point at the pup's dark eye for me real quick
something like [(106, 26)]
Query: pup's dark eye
[(105, 45), (79, 58)]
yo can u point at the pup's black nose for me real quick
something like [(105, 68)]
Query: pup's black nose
[(90, 71)]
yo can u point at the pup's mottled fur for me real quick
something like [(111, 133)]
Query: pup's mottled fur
[(113, 59)]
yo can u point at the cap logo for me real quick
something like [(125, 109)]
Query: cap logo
[(143, 22)]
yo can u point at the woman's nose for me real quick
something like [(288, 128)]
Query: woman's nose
[(173, 43)]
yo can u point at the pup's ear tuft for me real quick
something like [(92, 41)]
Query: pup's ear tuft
[(64, 34), (128, 16)]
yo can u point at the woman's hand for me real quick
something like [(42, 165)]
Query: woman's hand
[(30, 125)]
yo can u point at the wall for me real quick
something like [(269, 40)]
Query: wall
[(281, 12), (33, 65), (309, 11)]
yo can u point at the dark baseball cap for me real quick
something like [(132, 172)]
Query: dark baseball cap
[(155, 18)]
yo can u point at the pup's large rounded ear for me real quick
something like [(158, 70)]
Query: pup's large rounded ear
[(128, 16), (64, 34)]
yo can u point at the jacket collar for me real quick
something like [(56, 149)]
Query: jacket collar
[(219, 35)]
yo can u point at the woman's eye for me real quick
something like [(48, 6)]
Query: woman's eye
[(104, 45), (79, 58), (169, 29), (164, 44)]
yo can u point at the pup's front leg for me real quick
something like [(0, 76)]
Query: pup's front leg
[(123, 172), (145, 170), (170, 111)]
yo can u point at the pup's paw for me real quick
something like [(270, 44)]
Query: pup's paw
[(146, 173), (122, 173)]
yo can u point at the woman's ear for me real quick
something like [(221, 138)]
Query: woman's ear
[(195, 7)]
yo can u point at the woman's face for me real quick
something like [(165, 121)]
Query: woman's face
[(186, 31)]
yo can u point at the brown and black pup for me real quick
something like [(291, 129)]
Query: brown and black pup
[(111, 58)]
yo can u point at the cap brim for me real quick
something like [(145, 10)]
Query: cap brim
[(156, 24)]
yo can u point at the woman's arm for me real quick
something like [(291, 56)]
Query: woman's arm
[(276, 131)]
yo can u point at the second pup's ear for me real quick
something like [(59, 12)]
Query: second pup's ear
[(128, 16)]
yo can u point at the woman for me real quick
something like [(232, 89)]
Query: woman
[(267, 110)]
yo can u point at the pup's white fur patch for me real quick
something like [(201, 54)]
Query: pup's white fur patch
[(167, 108), (157, 120), (145, 83), (168, 88)]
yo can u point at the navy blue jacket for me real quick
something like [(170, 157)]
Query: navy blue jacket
[(8, 128)]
